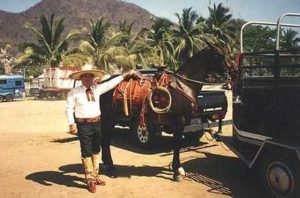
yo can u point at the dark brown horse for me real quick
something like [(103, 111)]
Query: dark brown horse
[(183, 87)]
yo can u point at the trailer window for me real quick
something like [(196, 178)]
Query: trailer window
[(257, 66), (264, 65), (3, 82), (18, 83), (290, 65)]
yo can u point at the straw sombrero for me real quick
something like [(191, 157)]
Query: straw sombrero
[(87, 69)]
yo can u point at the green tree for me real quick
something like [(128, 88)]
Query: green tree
[(7, 61), (102, 45), (126, 29), (259, 38), (190, 36), (218, 23), (160, 40), (218, 15), (288, 39), (50, 46)]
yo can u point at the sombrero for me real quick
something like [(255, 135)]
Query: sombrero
[(87, 69)]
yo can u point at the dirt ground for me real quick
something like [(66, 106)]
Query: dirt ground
[(40, 159)]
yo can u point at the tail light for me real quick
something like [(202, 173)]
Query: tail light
[(218, 116)]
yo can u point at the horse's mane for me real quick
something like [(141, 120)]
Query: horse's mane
[(209, 59)]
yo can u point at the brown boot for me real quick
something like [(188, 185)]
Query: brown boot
[(88, 169), (96, 160)]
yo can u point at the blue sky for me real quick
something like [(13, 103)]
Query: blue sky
[(258, 10)]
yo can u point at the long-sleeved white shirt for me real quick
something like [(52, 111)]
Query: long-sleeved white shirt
[(78, 103)]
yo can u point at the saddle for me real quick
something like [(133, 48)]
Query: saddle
[(132, 91), (169, 81)]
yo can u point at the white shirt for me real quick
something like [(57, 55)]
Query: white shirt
[(78, 103)]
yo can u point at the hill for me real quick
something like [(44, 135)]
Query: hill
[(77, 14)]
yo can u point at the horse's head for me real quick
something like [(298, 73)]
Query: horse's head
[(211, 59)]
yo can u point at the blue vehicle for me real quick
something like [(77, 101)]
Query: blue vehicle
[(11, 86)]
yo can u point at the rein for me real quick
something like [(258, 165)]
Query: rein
[(194, 81)]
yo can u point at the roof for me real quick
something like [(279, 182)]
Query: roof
[(11, 77)]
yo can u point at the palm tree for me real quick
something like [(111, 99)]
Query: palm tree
[(190, 37), (160, 40), (6, 60), (101, 45), (218, 23), (289, 39), (50, 47), (218, 15), (126, 29)]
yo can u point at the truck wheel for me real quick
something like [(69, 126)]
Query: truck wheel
[(63, 95), (281, 177), (42, 95), (145, 136), (1, 98), (9, 98)]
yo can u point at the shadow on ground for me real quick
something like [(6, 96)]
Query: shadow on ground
[(61, 177), (221, 174), (224, 175), (123, 138), (65, 140), (65, 174)]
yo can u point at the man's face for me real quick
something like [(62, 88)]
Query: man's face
[(87, 79)]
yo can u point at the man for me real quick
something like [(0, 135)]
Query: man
[(84, 117)]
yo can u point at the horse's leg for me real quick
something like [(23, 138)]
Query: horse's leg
[(107, 129), (107, 119), (178, 126)]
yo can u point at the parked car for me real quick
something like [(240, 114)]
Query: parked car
[(11, 86)]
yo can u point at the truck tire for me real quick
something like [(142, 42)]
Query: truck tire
[(63, 95), (145, 136), (1, 98), (9, 98), (42, 95), (281, 177)]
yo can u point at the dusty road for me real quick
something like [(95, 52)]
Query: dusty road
[(39, 159)]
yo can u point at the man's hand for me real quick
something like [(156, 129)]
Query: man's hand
[(128, 73), (73, 129)]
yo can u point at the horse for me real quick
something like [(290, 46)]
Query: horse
[(182, 87)]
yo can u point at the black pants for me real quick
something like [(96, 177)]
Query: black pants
[(89, 135)]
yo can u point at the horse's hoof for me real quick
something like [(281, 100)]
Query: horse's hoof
[(178, 178), (181, 171)]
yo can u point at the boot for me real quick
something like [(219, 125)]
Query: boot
[(96, 161), (88, 171)]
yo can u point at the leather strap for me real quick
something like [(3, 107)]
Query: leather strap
[(88, 120)]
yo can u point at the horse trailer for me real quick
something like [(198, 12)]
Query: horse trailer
[(266, 112)]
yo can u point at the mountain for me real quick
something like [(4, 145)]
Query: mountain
[(77, 14)]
